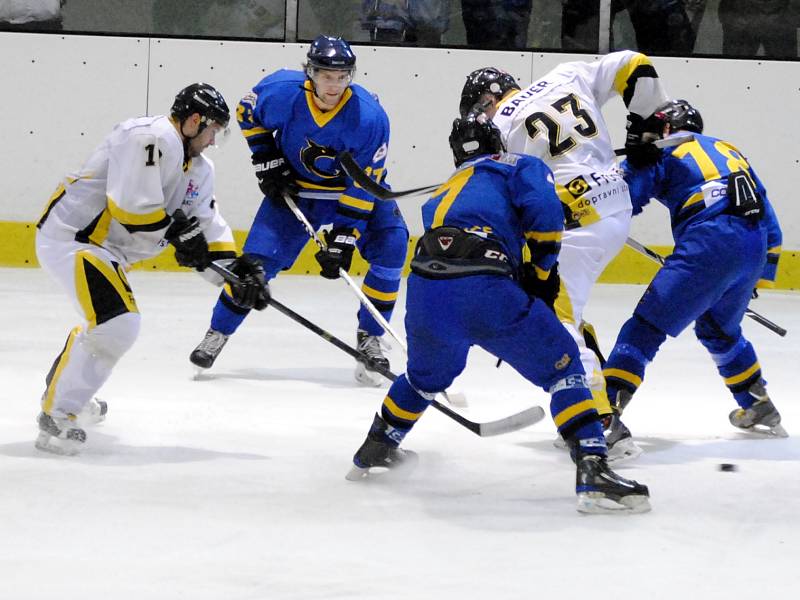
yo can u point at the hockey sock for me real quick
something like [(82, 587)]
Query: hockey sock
[(636, 346), (739, 369), (380, 286), (227, 315), (402, 407), (573, 410)]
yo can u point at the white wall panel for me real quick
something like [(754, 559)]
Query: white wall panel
[(60, 96), (70, 90)]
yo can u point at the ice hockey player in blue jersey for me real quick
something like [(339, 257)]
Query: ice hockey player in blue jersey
[(470, 286), (296, 123), (727, 243)]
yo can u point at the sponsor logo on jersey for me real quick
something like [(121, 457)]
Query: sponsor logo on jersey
[(578, 187), (562, 363), (380, 153), (192, 192)]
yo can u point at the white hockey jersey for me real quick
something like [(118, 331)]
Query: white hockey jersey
[(558, 119), (123, 197)]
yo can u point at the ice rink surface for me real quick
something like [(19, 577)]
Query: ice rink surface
[(232, 487)]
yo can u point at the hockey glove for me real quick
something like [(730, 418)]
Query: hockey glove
[(338, 254), (186, 235), (638, 140), (275, 176), (544, 289), (253, 290)]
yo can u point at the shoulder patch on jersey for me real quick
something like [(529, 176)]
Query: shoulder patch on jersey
[(380, 153), (507, 158)]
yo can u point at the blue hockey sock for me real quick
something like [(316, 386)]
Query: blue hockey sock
[(227, 316), (637, 344), (401, 409), (381, 286), (739, 369)]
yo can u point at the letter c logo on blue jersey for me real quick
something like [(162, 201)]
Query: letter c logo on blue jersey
[(319, 160)]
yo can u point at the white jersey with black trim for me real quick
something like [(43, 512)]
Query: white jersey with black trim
[(558, 119), (123, 196)]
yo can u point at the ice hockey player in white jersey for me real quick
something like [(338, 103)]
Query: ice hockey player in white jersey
[(145, 186), (558, 119)]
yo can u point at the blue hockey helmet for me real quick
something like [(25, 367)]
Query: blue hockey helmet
[(203, 99), (473, 136), (331, 53), (680, 115)]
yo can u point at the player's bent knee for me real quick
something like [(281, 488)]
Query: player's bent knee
[(115, 337)]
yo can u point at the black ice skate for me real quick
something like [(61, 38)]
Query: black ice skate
[(620, 444), (208, 350), (601, 491), (376, 452), (761, 417), (370, 346), (59, 435)]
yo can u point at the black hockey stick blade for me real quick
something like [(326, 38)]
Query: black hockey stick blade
[(655, 256), (669, 142), (355, 173)]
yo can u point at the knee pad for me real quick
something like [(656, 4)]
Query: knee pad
[(112, 339)]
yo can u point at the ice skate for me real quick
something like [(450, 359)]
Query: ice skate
[(621, 446), (377, 453), (371, 347), (208, 350), (601, 491), (59, 435), (93, 412), (761, 417)]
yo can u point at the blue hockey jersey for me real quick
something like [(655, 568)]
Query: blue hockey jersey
[(508, 198), (282, 105), (691, 181)]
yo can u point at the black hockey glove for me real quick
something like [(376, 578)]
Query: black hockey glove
[(274, 174), (340, 244), (544, 289), (186, 235), (638, 141), (253, 291)]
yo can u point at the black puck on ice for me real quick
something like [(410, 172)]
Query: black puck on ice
[(727, 467)]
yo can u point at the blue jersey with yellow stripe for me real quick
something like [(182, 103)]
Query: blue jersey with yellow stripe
[(691, 180), (282, 105), (508, 198)]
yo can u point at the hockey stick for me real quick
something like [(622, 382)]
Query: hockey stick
[(505, 425), (456, 399), (372, 187), (655, 256), (667, 142)]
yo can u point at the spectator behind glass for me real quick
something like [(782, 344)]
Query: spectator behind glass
[(661, 26), (223, 18), (31, 15), (420, 22), (501, 24), (749, 24)]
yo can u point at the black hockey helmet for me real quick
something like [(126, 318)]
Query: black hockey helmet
[(487, 79), (332, 53), (472, 137), (680, 115), (203, 99)]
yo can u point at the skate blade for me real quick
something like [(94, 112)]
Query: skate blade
[(47, 443), (624, 450), (368, 378), (560, 443), (593, 503), (456, 399), (401, 471), (776, 431), (198, 373), (93, 413)]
